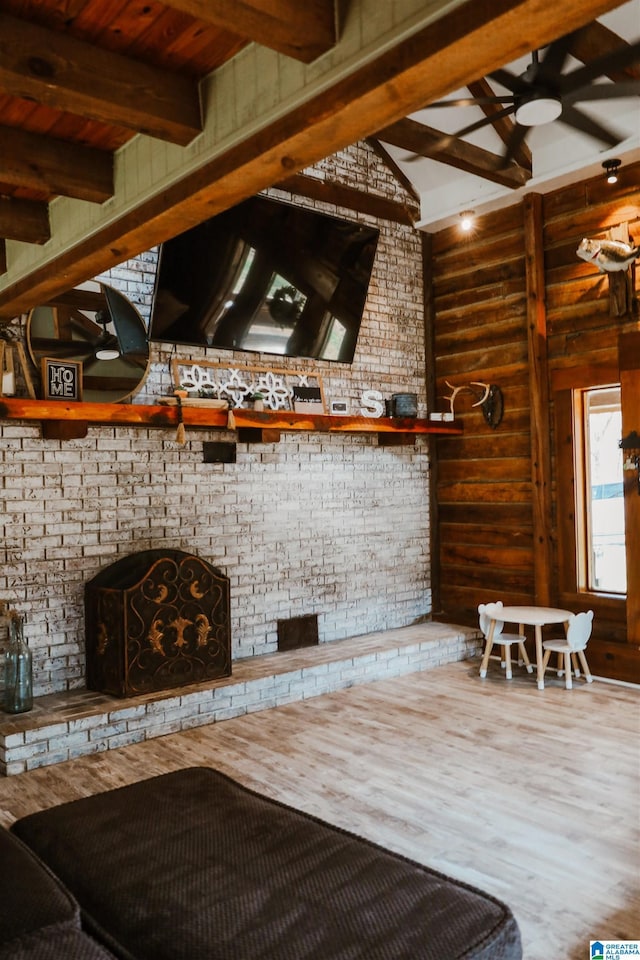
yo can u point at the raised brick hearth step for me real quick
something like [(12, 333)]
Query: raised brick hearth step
[(63, 726)]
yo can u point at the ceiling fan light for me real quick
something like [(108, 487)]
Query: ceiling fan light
[(106, 353), (535, 111)]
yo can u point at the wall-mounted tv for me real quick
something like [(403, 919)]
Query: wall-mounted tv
[(266, 276)]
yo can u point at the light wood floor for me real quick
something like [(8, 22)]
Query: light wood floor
[(531, 795)]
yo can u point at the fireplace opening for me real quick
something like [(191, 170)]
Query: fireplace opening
[(156, 620), (298, 632)]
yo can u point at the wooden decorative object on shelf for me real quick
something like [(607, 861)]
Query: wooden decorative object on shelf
[(7, 369)]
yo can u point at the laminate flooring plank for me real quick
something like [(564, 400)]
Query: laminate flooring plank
[(533, 796)]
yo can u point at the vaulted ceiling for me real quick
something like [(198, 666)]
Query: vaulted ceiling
[(123, 122)]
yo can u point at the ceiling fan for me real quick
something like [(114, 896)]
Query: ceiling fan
[(94, 341), (543, 93)]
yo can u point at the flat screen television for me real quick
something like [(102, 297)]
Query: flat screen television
[(266, 276)]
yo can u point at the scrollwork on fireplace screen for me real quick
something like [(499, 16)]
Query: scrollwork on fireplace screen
[(155, 622), (237, 385)]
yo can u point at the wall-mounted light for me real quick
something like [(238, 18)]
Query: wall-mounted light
[(610, 168), (466, 220)]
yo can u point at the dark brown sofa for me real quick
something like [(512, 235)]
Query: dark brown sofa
[(193, 866), (39, 919)]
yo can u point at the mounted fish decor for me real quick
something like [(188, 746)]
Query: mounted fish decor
[(608, 255)]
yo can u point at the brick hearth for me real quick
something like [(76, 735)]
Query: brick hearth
[(63, 726)]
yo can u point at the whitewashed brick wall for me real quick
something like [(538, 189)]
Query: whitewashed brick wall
[(332, 525)]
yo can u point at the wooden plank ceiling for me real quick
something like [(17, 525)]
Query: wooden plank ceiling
[(79, 79)]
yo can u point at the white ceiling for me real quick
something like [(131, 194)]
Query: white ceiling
[(559, 152)]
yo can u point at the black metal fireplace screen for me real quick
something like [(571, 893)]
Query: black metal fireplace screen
[(155, 620)]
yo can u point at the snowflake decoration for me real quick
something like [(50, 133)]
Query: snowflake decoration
[(236, 388), (276, 394), (195, 378)]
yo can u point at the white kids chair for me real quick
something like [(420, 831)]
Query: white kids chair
[(487, 613), (572, 646)]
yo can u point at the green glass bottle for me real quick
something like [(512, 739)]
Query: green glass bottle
[(18, 670)]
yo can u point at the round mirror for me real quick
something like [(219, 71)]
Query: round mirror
[(96, 325)]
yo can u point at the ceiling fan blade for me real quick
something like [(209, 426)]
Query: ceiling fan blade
[(508, 80), (486, 121), (553, 60), (129, 328), (516, 140), (79, 351), (469, 101), (448, 139), (580, 121), (83, 324), (64, 349), (444, 142), (604, 91), (614, 60)]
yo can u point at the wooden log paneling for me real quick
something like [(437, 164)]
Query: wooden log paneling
[(477, 446), (497, 556), (487, 547), (490, 581), (515, 517), (480, 334), (484, 469), (482, 533)]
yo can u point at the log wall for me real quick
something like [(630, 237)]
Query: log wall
[(495, 316)]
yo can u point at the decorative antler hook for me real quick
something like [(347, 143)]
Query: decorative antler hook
[(490, 401)]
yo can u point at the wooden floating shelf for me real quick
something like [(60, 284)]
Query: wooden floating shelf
[(70, 418)]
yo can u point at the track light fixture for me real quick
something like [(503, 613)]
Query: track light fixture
[(610, 168), (466, 220)]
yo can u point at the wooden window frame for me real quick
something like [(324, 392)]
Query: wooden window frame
[(569, 473)]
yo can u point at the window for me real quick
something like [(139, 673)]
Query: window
[(599, 507)]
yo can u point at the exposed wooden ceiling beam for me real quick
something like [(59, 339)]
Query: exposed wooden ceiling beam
[(424, 141), (384, 155), (348, 197), (55, 166), (595, 40), (504, 126), (303, 31), (25, 220), (337, 107), (60, 71)]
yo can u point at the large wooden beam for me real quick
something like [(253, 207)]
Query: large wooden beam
[(55, 166), (342, 99), (629, 358), (424, 141), (301, 30), (594, 41), (503, 126), (341, 195), (25, 220), (383, 153), (538, 376), (65, 73)]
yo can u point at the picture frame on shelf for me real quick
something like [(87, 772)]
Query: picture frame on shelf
[(61, 379)]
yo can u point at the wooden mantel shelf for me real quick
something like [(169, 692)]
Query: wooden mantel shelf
[(253, 424)]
